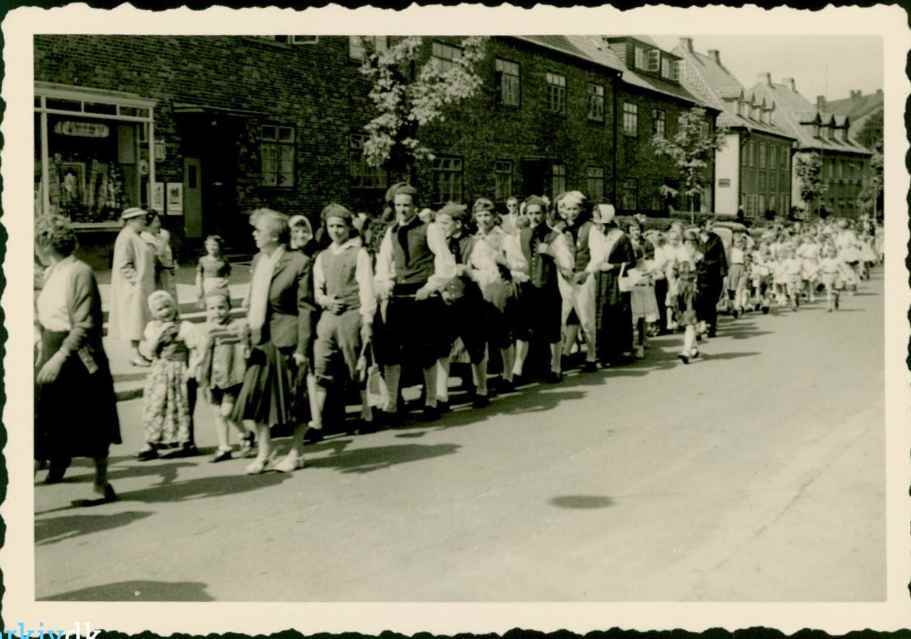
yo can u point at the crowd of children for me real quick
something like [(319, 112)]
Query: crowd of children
[(484, 288)]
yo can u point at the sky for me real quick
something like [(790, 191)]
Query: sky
[(832, 66)]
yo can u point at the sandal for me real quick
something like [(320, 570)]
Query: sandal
[(107, 497)]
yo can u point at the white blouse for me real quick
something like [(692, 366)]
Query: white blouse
[(55, 297)]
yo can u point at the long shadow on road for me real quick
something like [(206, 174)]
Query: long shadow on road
[(367, 460), (50, 530), (139, 590)]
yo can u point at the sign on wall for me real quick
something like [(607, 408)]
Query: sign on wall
[(82, 129), (724, 182), (175, 198), (160, 151), (156, 198)]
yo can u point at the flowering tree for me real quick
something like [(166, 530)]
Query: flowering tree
[(692, 149), (408, 95), (809, 173)]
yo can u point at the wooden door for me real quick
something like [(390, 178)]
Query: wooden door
[(192, 197)]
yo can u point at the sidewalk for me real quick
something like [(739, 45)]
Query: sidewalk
[(129, 379)]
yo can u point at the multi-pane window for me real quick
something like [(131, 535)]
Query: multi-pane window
[(654, 60), (745, 154), (630, 118), (502, 174), (762, 155), (641, 58), (556, 92), (784, 158), (276, 152), (629, 194), (508, 81), (658, 123), (446, 55), (363, 176), (557, 179), (360, 47), (675, 70), (594, 178), (773, 156), (665, 67), (596, 102), (762, 208), (772, 202), (447, 179)]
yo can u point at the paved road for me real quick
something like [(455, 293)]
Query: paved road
[(756, 474)]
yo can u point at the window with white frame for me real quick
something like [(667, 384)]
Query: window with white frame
[(446, 55), (665, 67), (276, 149), (654, 60), (502, 174), (360, 47), (557, 179), (630, 119), (363, 176), (556, 92), (594, 182), (447, 179), (658, 123), (596, 102), (508, 82)]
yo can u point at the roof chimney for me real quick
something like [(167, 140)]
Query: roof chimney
[(687, 44), (715, 55), (791, 83), (820, 103), (765, 78), (855, 94), (879, 92)]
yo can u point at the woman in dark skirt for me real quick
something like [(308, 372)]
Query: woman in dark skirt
[(281, 313), (72, 368), (613, 311)]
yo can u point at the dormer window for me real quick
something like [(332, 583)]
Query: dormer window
[(654, 60), (641, 58), (675, 70), (665, 68)]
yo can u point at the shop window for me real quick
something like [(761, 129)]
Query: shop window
[(594, 182), (276, 148), (363, 176), (557, 179), (360, 47), (658, 123), (556, 92), (446, 55), (629, 194), (447, 180), (596, 102), (630, 119), (502, 173), (508, 81)]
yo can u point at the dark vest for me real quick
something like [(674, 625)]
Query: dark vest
[(340, 271), (542, 269), (581, 254), (411, 254)]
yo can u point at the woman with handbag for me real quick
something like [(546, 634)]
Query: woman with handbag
[(611, 255)]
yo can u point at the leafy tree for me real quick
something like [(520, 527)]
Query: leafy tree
[(409, 92), (691, 149), (809, 172), (871, 133), (873, 187)]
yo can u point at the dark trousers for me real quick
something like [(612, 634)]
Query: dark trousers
[(709, 294), (661, 295)]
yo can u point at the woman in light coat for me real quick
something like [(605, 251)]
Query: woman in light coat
[(132, 281)]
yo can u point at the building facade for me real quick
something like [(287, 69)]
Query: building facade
[(753, 168)]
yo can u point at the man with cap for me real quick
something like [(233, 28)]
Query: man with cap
[(712, 270), (413, 264), (343, 288), (132, 281)]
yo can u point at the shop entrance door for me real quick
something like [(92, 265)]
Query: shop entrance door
[(192, 197)]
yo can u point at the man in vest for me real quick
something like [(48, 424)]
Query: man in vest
[(712, 270), (413, 264)]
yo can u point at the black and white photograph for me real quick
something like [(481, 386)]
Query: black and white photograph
[(598, 316)]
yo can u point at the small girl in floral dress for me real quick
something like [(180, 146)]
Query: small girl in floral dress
[(166, 408)]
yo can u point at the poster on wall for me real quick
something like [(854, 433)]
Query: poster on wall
[(156, 198), (175, 198)]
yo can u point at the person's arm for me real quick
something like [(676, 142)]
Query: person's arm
[(385, 269), (83, 295), (364, 275), (199, 278), (125, 258), (443, 261), (562, 255), (306, 310), (515, 259), (319, 283)]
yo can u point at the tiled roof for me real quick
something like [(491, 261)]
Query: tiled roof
[(719, 83), (856, 107), (793, 109), (595, 48), (565, 45)]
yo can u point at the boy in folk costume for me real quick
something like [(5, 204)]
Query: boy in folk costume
[(413, 264), (578, 288), (548, 256), (343, 288)]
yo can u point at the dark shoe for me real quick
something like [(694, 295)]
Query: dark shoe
[(765, 309), (684, 358), (480, 401), (367, 427), (507, 386), (313, 436), (108, 497), (712, 333), (186, 450), (430, 414), (589, 367), (736, 313), (444, 407), (147, 455), (554, 378), (221, 456)]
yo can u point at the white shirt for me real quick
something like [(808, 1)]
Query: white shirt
[(54, 300), (443, 261), (363, 274), (259, 288)]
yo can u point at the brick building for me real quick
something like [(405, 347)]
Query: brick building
[(207, 128), (753, 168), (818, 130)]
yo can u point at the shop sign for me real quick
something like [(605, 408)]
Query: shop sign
[(724, 182), (82, 129)]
